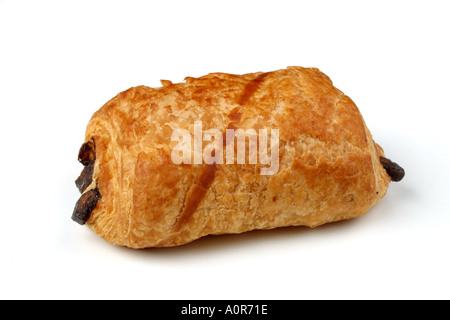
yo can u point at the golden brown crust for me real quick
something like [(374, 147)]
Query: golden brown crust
[(329, 168)]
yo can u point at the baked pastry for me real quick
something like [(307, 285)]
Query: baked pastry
[(135, 195)]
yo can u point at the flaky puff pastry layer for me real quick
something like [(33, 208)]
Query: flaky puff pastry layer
[(329, 167)]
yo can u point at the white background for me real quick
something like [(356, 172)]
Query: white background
[(60, 61)]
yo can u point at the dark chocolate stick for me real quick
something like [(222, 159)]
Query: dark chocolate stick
[(85, 205), (87, 153), (85, 179), (393, 169)]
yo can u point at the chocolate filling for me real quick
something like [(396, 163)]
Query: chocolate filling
[(85, 205), (85, 179), (89, 199), (87, 153), (393, 169)]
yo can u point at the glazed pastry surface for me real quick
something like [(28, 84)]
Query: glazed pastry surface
[(329, 165)]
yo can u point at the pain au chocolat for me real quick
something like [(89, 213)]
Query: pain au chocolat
[(135, 195)]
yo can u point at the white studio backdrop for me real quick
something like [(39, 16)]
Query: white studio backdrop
[(60, 61)]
